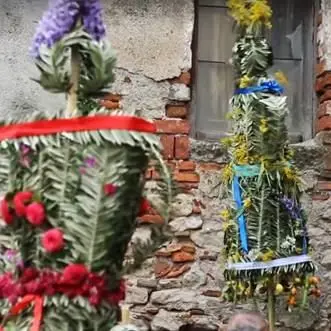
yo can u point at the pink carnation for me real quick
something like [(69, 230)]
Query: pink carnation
[(52, 241), (35, 213)]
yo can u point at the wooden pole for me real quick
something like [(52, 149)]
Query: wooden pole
[(72, 97), (271, 305)]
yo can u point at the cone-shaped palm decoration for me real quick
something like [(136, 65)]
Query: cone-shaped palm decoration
[(266, 241), (73, 186)]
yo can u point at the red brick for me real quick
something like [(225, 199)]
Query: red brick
[(168, 143), (189, 177), (320, 196), (320, 68), (327, 163), (324, 109), (323, 82), (323, 123), (212, 293), (110, 104), (176, 111), (184, 78), (112, 97), (186, 165), (182, 147), (182, 257), (319, 85), (172, 126), (324, 186), (148, 174), (177, 271), (187, 187), (151, 219), (326, 96), (210, 166), (162, 268), (196, 210)]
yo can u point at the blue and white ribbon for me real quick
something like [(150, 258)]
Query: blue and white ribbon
[(283, 262), (270, 86), (236, 191)]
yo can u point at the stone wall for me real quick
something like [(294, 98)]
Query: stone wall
[(181, 286)]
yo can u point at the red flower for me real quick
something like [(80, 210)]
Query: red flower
[(52, 240), (74, 274), (35, 213), (29, 274), (94, 299), (20, 201), (6, 214), (109, 189), (119, 295), (144, 207)]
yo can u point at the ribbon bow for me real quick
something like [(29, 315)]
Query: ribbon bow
[(271, 86), (26, 301)]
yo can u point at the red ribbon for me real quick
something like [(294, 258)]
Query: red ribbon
[(37, 310), (86, 123)]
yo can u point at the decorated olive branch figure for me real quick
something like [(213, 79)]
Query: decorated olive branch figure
[(266, 242), (73, 186)]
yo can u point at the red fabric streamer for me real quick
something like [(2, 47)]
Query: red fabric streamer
[(37, 311), (86, 123)]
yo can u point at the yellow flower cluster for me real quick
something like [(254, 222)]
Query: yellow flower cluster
[(227, 173), (248, 203), (241, 155), (248, 12), (245, 81), (263, 125), (281, 78), (225, 214), (260, 12)]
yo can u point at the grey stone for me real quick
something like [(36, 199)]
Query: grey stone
[(209, 237), (195, 277), (166, 321), (170, 283), (182, 224), (179, 300), (151, 37), (179, 92), (206, 323), (182, 206), (206, 151), (210, 183), (136, 295), (141, 95), (326, 260), (147, 283), (308, 154)]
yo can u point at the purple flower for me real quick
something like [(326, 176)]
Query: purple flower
[(92, 19), (90, 162), (25, 159), (62, 17), (291, 206)]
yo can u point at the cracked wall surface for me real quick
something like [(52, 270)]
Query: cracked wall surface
[(152, 40)]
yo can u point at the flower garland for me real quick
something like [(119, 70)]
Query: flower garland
[(75, 280)]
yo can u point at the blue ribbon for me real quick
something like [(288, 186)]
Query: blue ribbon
[(236, 191), (252, 170), (270, 86)]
